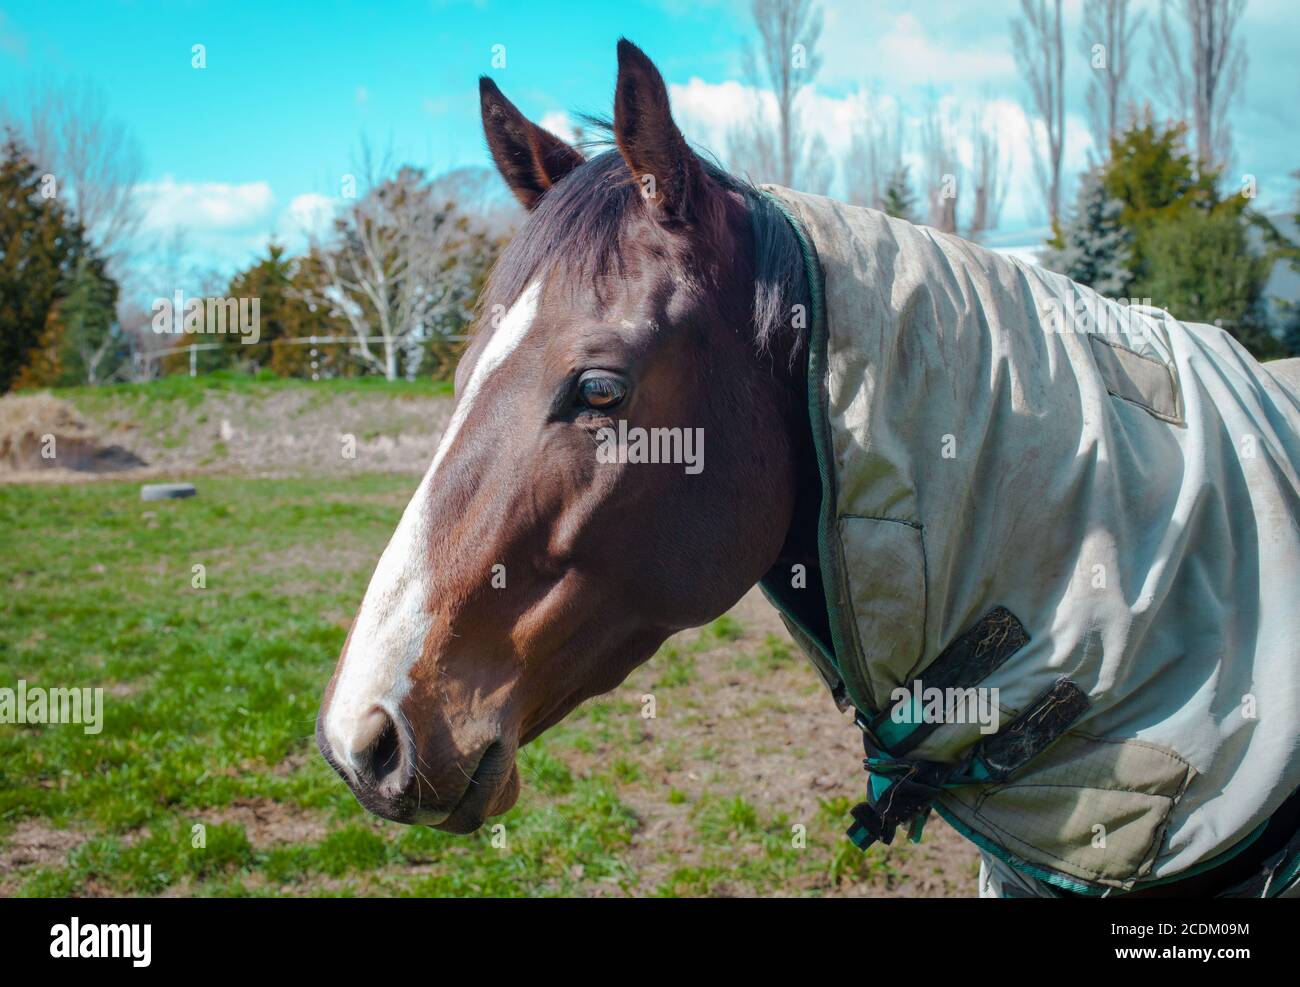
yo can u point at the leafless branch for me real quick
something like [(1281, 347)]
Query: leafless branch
[(1201, 67), (1039, 44), (784, 61), (1107, 36)]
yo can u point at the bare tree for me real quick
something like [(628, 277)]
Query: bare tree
[(784, 62), (159, 267), (145, 348), (875, 154), (393, 264), (1039, 43), (942, 169), (94, 159), (1107, 35), (480, 194), (989, 173), (1202, 73)]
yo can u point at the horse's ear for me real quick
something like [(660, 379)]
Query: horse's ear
[(529, 158), (667, 170)]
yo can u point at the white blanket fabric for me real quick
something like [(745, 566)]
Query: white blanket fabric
[(1127, 485)]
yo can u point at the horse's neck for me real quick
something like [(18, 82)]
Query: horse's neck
[(798, 565), (801, 540), (790, 377)]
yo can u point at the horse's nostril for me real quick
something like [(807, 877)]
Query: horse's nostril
[(377, 747), (386, 755)]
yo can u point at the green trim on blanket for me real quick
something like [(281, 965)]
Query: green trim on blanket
[(1007, 857), (827, 536), (1288, 874), (1078, 887)]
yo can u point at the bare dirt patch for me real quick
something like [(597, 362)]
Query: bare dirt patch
[(40, 433), (33, 844), (268, 823), (773, 737), (272, 432), (281, 432)]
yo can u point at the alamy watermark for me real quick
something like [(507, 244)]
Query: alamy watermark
[(920, 704), (204, 316), (34, 704), (102, 940), (1086, 314), (635, 444)]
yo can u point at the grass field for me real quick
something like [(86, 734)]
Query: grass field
[(193, 390), (210, 695)]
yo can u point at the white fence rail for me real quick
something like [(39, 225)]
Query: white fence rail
[(312, 341)]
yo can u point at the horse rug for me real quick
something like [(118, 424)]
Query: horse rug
[(1084, 516)]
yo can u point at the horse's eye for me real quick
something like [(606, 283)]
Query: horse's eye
[(601, 392)]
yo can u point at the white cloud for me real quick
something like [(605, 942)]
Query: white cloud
[(307, 217), (193, 228), (706, 113), (898, 48), (204, 206), (559, 123)]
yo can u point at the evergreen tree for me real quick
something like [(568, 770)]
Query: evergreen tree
[(1151, 172), (1202, 269), (898, 199), (44, 362), (1095, 247), (1190, 249), (91, 341), (1284, 248), (278, 283), (1291, 330), (44, 255), (268, 281)]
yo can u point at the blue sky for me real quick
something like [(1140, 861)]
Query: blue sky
[(257, 141)]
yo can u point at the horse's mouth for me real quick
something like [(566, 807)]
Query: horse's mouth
[(494, 781)]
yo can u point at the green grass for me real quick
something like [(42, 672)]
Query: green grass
[(725, 628), (191, 390), (211, 696)]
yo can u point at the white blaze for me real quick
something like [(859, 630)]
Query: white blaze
[(393, 623)]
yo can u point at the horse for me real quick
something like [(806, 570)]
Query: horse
[(648, 291)]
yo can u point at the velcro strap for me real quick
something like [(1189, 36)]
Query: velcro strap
[(1030, 733), (911, 787), (968, 660)]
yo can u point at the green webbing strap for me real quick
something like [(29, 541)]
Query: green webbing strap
[(902, 789), (963, 664)]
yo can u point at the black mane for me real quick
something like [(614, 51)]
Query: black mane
[(578, 223)]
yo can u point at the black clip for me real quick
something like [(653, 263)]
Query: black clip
[(910, 795)]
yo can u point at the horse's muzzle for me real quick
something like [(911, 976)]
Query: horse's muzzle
[(380, 772), (383, 775)]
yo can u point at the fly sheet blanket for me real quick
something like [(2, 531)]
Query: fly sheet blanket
[(1080, 517)]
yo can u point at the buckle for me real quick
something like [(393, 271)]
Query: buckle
[(908, 799)]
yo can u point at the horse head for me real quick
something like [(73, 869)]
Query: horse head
[(646, 299)]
